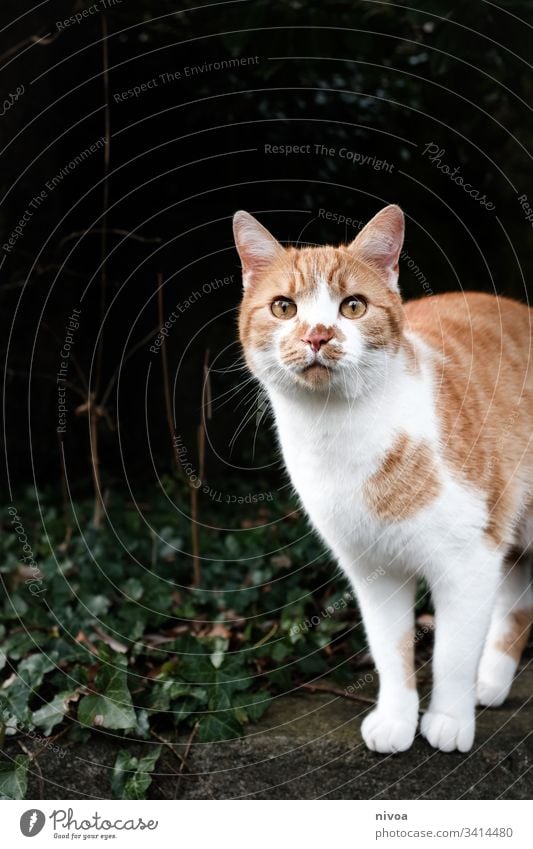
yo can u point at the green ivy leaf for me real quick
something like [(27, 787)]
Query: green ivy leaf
[(134, 589), (113, 708), (131, 775), (219, 725), (230, 676), (97, 605), (33, 669), (219, 650), (51, 714), (14, 778), (250, 707), (180, 689), (184, 708), (29, 676)]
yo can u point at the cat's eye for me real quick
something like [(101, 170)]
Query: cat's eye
[(283, 308), (353, 307)]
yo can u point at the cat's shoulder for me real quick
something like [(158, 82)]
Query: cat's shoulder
[(454, 311)]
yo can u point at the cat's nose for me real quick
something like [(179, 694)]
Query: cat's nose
[(317, 338)]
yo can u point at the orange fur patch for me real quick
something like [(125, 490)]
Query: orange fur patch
[(406, 482), (516, 639), (484, 385)]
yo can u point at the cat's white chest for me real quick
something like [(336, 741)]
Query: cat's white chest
[(329, 474), (332, 450)]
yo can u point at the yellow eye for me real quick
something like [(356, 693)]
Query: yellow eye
[(353, 307), (283, 308)]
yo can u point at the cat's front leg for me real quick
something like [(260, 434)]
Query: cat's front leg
[(463, 594), (386, 602)]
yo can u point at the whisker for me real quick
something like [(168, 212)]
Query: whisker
[(234, 390), (245, 420), (247, 398), (259, 420)]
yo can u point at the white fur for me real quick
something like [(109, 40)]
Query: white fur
[(332, 442)]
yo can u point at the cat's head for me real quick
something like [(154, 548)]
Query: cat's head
[(321, 318)]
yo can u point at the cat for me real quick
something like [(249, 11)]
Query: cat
[(406, 432)]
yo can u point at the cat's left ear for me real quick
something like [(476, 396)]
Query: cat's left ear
[(256, 246), (380, 241)]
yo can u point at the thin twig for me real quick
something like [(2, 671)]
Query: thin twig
[(267, 636), (105, 202), (38, 271), (118, 231), (35, 762), (64, 492), (336, 691), (99, 508), (32, 39), (169, 745), (185, 756), (195, 534), (195, 539), (19, 373), (166, 385), (125, 359), (50, 741), (206, 413), (72, 358)]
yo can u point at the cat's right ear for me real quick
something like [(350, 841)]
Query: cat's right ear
[(380, 242), (256, 246)]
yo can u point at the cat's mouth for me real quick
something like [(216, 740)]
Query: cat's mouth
[(315, 374), (315, 368)]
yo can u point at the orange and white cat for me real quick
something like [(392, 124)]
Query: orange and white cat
[(406, 431)]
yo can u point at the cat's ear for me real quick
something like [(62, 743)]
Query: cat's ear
[(380, 241), (256, 246)]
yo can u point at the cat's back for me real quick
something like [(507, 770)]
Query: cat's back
[(484, 342), (474, 324), (484, 351), (483, 388)]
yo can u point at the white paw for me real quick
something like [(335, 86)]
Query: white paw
[(448, 733), (387, 735), (492, 693)]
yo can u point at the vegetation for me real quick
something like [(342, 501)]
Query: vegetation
[(109, 636)]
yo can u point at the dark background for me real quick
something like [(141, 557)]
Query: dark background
[(376, 78)]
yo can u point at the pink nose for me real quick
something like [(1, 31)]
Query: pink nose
[(317, 338)]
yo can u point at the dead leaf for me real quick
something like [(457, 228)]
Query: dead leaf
[(282, 561), (111, 641)]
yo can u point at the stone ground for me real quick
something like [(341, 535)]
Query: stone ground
[(309, 746)]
